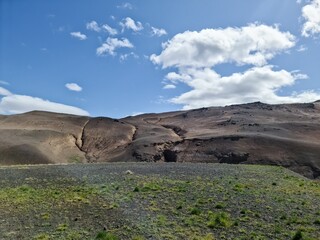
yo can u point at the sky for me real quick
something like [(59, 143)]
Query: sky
[(120, 58)]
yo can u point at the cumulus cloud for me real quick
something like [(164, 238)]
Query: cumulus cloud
[(73, 87), (125, 5), (255, 84), (253, 44), (129, 23), (195, 55), (13, 104), (78, 35), (112, 44), (158, 32), (169, 86), (311, 14), (93, 26), (109, 29)]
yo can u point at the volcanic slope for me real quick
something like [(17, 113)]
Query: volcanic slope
[(256, 133)]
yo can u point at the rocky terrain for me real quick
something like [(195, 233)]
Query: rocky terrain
[(256, 133)]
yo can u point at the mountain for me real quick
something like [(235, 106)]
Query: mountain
[(256, 133)]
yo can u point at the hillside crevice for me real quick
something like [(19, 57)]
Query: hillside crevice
[(79, 140)]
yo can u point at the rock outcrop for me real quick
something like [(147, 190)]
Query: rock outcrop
[(256, 133)]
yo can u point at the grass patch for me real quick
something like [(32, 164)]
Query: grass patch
[(221, 219), (223, 205), (106, 236)]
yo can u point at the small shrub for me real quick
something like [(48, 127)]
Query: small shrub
[(162, 219), (106, 236), (138, 238), (243, 211), (257, 215), (283, 217), (298, 235), (179, 207), (75, 159), (207, 237), (219, 220), (62, 227), (317, 222), (150, 187), (42, 237), (219, 206), (195, 211)]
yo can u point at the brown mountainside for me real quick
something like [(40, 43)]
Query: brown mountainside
[(255, 133)]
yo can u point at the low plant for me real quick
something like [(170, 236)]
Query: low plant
[(106, 236)]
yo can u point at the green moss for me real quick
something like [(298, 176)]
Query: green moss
[(42, 236), (75, 159), (62, 227)]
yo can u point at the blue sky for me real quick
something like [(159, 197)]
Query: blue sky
[(118, 58)]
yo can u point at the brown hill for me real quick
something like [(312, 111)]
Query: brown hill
[(255, 133)]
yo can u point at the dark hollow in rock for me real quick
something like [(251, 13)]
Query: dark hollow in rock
[(169, 156), (157, 157), (179, 131), (232, 158), (232, 138)]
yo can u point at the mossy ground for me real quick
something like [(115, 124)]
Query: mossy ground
[(230, 202)]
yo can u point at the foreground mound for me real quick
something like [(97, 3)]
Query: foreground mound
[(256, 133), (157, 201)]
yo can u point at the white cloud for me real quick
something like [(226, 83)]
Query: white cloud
[(93, 26), (124, 57), (253, 44), (73, 87), (158, 31), (4, 92), (4, 83), (299, 1), (13, 104), (129, 23), (255, 84), (195, 55), (175, 77), (125, 5), (311, 14), (169, 86), (302, 48), (78, 35), (109, 29), (112, 44)]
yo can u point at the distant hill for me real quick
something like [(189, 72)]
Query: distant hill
[(256, 133)]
